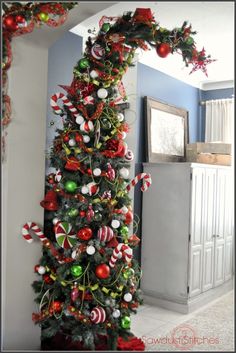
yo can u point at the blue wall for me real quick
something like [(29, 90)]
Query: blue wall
[(160, 86), (62, 57)]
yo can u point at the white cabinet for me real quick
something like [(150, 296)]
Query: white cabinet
[(187, 234)]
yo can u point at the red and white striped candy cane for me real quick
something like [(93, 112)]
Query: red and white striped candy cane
[(121, 249), (147, 180), (65, 100), (37, 231), (35, 228)]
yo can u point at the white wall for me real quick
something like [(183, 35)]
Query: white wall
[(23, 189)]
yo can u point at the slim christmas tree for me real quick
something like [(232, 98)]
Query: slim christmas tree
[(89, 283)]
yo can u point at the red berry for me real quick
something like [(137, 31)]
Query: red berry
[(78, 138), (89, 171), (66, 138), (163, 50), (82, 213)]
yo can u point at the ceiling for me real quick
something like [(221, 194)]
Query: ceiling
[(213, 21)]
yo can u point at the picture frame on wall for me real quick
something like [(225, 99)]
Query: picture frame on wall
[(167, 133)]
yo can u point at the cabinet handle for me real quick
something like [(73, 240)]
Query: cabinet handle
[(215, 236)]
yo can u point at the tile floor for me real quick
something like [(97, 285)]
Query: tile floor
[(151, 321)]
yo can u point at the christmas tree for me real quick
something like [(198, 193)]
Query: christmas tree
[(89, 283)]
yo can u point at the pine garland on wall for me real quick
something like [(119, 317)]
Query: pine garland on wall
[(89, 280)]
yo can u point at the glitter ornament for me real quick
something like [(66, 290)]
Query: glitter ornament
[(86, 138), (115, 223), (79, 119), (55, 220), (76, 270), (93, 74), (41, 270), (72, 142), (124, 173), (125, 322), (97, 172), (84, 190), (90, 250), (128, 297), (102, 93), (116, 313), (120, 116)]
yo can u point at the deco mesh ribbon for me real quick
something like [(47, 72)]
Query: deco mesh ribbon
[(147, 181)]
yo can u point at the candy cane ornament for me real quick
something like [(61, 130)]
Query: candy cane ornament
[(147, 181), (65, 100), (38, 232), (121, 249), (34, 228)]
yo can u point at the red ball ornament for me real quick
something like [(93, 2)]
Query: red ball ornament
[(102, 271), (85, 233), (36, 268), (82, 213), (163, 50), (89, 171), (66, 138), (129, 217), (20, 19), (56, 306), (10, 23), (47, 279), (78, 138)]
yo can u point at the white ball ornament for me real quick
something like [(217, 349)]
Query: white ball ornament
[(97, 172), (79, 119), (115, 223), (123, 135), (84, 190), (72, 142), (120, 116), (124, 209), (90, 250), (55, 221), (128, 297), (41, 270), (93, 74), (102, 93), (116, 313), (86, 138), (124, 173)]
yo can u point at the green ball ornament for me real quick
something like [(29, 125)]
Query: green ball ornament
[(124, 230), (44, 17), (106, 27), (98, 217), (71, 186), (83, 63), (189, 41), (128, 273), (125, 322), (73, 212), (76, 270)]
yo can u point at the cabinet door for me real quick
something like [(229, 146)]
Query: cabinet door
[(208, 228), (223, 230), (196, 224)]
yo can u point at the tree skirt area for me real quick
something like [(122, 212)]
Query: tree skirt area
[(62, 343), (213, 327)]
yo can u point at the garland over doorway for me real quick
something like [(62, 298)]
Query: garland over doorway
[(88, 283)]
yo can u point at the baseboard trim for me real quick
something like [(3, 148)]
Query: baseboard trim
[(193, 303)]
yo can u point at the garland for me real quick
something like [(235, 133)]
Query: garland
[(19, 19)]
